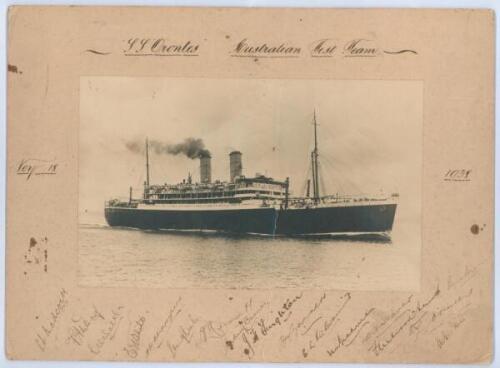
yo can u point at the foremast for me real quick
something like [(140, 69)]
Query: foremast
[(146, 183), (314, 162)]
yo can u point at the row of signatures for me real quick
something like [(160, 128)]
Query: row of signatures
[(317, 326)]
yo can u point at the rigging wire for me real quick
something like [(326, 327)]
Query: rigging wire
[(339, 162), (341, 181), (307, 178), (369, 172), (321, 180), (309, 170)]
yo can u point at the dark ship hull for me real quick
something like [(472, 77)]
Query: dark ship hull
[(259, 221), (336, 219), (373, 218)]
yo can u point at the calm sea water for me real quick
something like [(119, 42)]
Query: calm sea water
[(120, 257)]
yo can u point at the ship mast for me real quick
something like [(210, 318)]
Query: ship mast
[(146, 189), (314, 159)]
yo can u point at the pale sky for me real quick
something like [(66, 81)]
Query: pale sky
[(370, 132)]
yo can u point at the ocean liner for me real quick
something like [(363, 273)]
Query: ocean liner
[(251, 205)]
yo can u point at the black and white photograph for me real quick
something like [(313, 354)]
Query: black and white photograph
[(250, 183), (245, 184)]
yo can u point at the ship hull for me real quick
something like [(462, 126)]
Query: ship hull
[(258, 220), (336, 220), (267, 221)]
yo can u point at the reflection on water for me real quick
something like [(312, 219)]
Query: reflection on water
[(201, 235), (176, 259), (363, 238)]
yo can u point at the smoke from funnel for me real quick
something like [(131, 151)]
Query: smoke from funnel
[(190, 147)]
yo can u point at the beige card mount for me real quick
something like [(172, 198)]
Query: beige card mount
[(262, 185)]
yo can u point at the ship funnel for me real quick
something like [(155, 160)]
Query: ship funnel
[(235, 167), (205, 169)]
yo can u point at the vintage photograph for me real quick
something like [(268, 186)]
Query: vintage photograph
[(250, 183), (234, 184)]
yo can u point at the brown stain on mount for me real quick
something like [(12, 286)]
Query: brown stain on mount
[(476, 229), (13, 69), (33, 242)]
